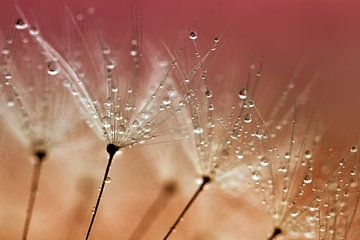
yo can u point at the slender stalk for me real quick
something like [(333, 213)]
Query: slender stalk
[(277, 231), (111, 149), (205, 181), (40, 156), (153, 212)]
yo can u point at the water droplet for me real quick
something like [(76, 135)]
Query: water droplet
[(106, 121), (20, 24), (243, 94), (193, 35), (264, 162), (198, 130), (251, 103), (135, 123), (118, 116), (256, 176), (166, 101), (133, 51), (294, 211), (108, 180), (308, 154), (121, 129), (208, 93), (110, 65), (53, 68), (248, 118), (34, 31), (354, 149), (8, 76), (211, 107), (307, 179), (5, 51)]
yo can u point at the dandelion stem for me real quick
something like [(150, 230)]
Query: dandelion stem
[(277, 231), (205, 180), (111, 149), (40, 156), (153, 212)]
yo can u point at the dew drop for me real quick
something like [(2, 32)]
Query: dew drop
[(8, 76), (193, 35), (354, 149), (307, 179), (208, 93), (106, 121), (256, 176), (243, 94), (20, 24), (52, 68), (108, 180), (166, 101), (5, 51), (264, 162), (248, 118), (308, 154), (121, 129), (198, 130), (135, 123), (34, 31)]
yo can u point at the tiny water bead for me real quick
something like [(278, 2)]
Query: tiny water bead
[(34, 31), (108, 180), (53, 68), (208, 93), (248, 118), (198, 130), (193, 35), (307, 179), (20, 24)]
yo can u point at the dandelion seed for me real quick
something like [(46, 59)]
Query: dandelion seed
[(39, 112), (221, 146), (113, 113)]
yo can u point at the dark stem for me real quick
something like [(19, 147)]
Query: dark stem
[(277, 231), (40, 156), (205, 180), (111, 149), (153, 212)]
